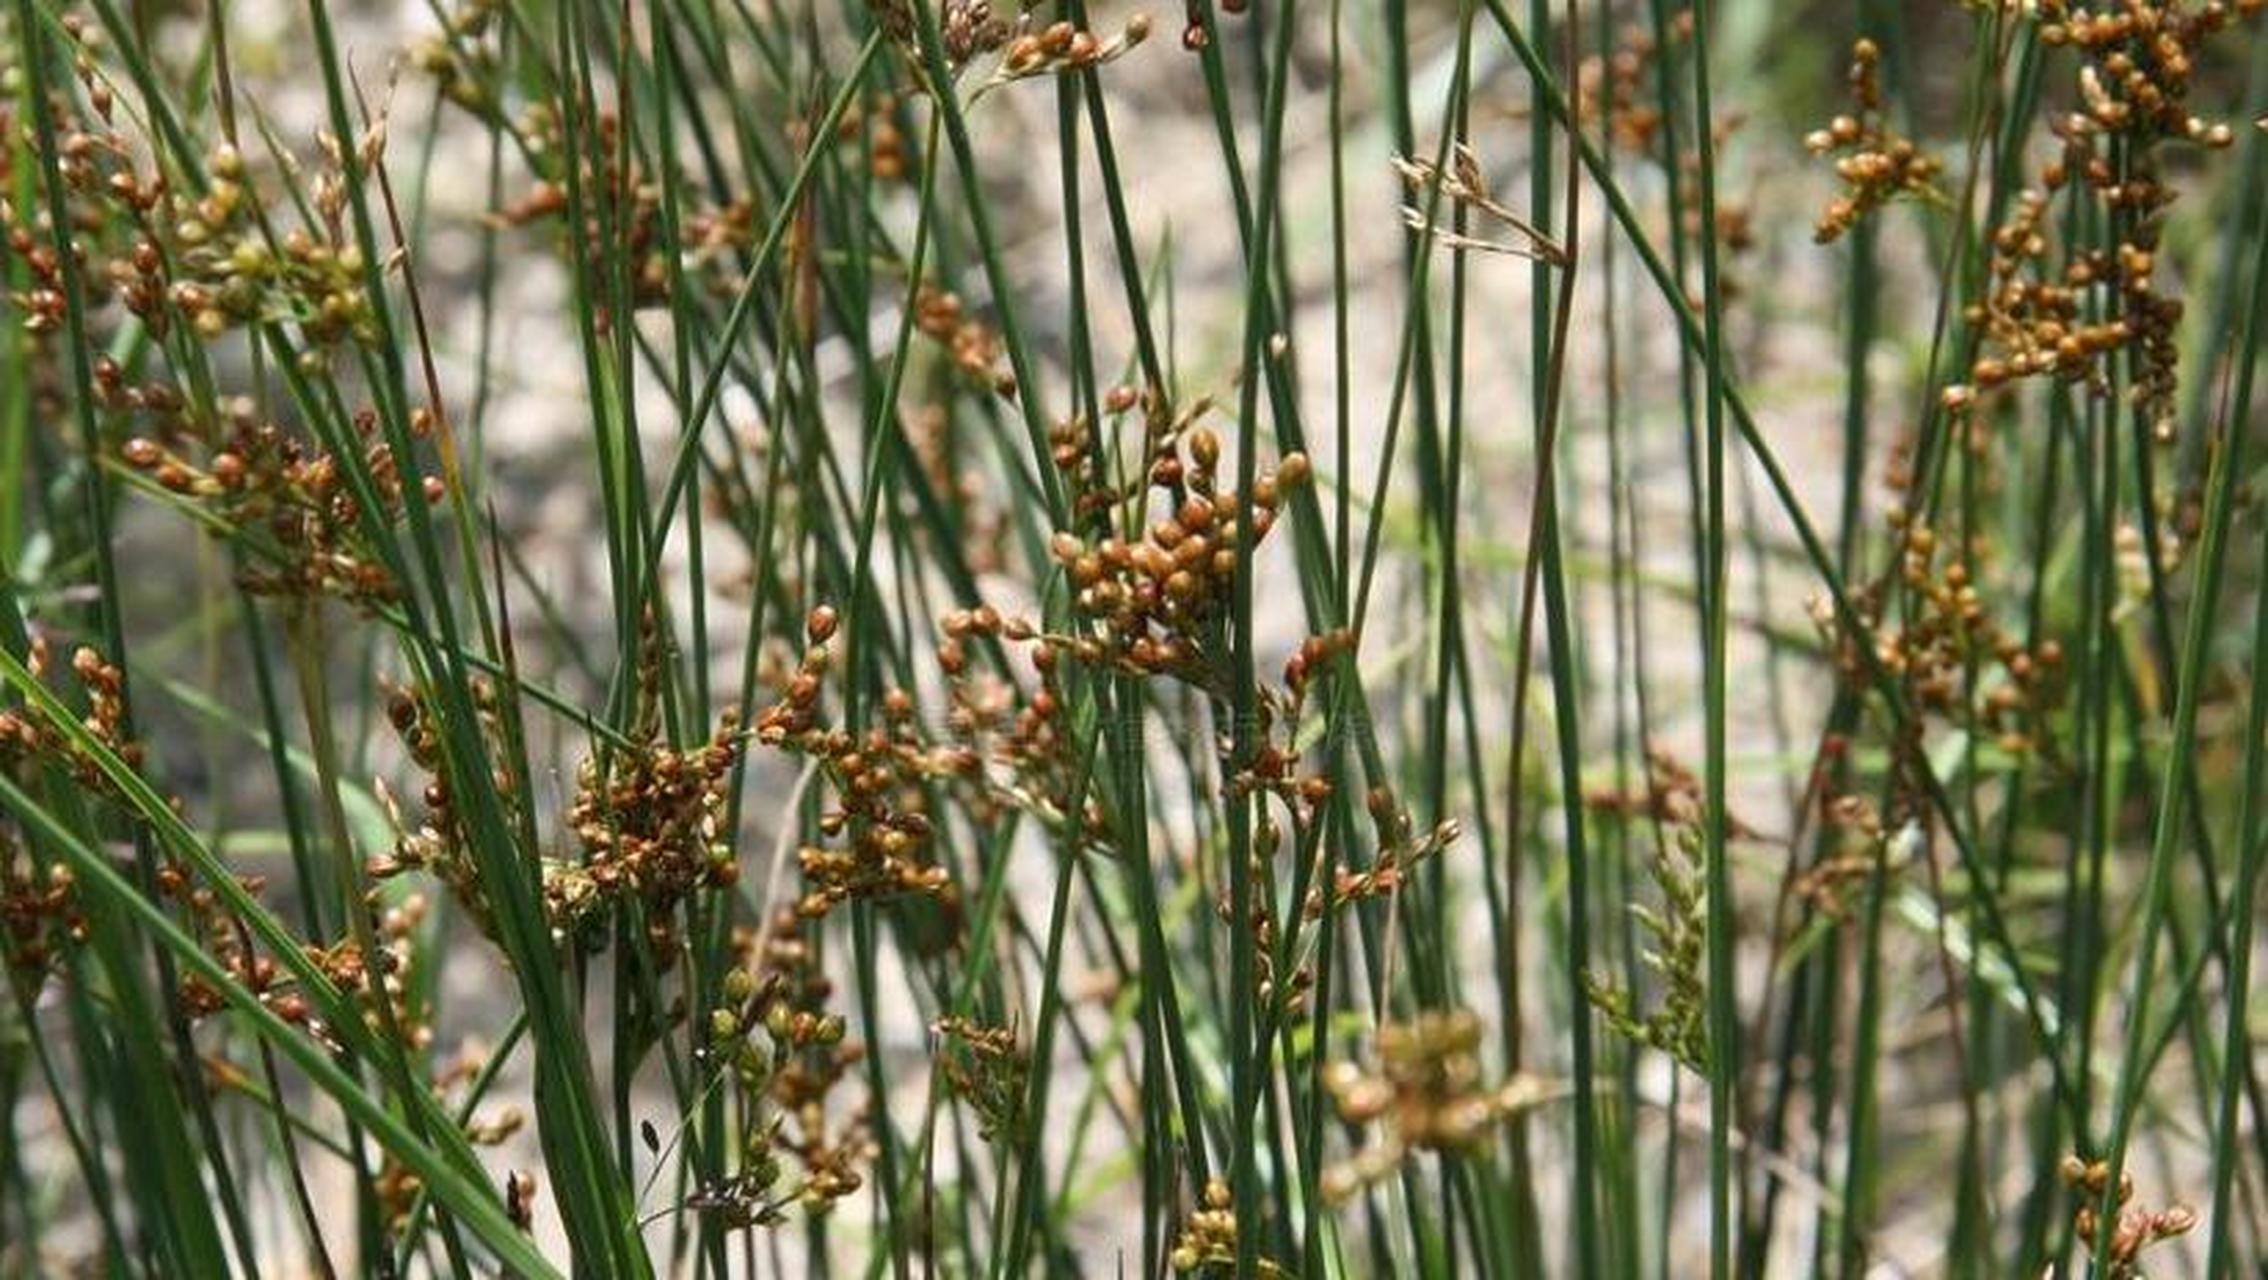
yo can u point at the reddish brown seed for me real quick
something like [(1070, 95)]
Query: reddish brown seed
[(821, 624)]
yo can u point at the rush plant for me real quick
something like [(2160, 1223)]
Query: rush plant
[(716, 638)]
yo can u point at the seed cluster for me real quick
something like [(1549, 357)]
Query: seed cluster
[(1620, 87), (987, 1068), (1401, 849), (969, 28), (440, 844), (621, 207), (206, 256), (2035, 323), (1827, 882), (28, 738), (2137, 1228), (874, 120), (39, 915), (1425, 1095), (778, 988), (649, 820), (284, 496), (1875, 164), (974, 346), (224, 938), (1157, 599), (1061, 47), (1947, 648), (881, 831), (1014, 749), (2042, 317), (1207, 1240)]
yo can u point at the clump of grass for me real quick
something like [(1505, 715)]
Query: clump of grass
[(959, 697)]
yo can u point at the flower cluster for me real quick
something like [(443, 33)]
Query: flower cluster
[(1677, 937), (1875, 164)]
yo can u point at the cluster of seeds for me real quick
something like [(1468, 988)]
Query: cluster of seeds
[(28, 738), (207, 257), (987, 1068), (1023, 735), (621, 208), (777, 988), (1207, 1240), (117, 212), (1947, 647), (439, 844), (1827, 882), (1060, 47), (1193, 35), (2137, 1228), (39, 915), (649, 820), (882, 828), (227, 273), (1671, 795), (387, 971), (1875, 164), (2140, 58), (1156, 601), (461, 59), (230, 946), (1425, 1095), (1401, 849), (2034, 317), (974, 346), (874, 124), (292, 502), (970, 29), (1619, 87), (2137, 63)]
